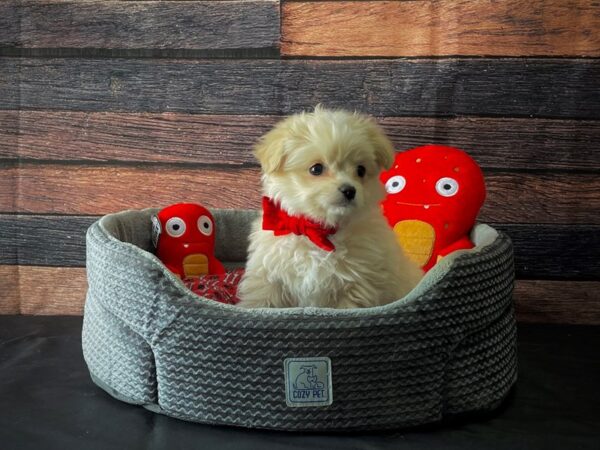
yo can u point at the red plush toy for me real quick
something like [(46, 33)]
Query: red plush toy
[(184, 237), (434, 194)]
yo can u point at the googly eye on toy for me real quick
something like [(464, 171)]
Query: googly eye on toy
[(395, 184), (205, 225)]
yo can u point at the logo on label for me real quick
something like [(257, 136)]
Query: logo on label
[(308, 381)]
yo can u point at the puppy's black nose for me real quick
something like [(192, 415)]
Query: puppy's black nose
[(348, 191)]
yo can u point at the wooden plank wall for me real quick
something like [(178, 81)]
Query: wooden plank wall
[(108, 105)]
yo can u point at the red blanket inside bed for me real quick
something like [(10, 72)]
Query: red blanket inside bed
[(221, 288)]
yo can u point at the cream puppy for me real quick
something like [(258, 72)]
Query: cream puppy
[(322, 239)]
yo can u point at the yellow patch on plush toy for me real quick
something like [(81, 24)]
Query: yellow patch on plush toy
[(416, 239), (195, 265)]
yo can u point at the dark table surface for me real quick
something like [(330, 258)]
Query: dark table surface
[(48, 401)]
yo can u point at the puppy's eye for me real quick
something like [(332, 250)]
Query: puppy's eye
[(317, 169), (361, 171)]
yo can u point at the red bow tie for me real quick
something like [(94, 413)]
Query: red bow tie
[(281, 223)]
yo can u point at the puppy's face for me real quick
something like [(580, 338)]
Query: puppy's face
[(324, 164)]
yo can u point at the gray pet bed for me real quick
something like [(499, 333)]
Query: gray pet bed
[(448, 347)]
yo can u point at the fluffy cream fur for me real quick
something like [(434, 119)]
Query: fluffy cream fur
[(367, 267)]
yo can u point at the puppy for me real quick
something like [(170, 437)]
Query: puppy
[(322, 239)]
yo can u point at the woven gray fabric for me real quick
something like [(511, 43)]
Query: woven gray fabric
[(447, 347)]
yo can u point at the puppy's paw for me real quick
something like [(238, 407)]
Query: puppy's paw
[(255, 292), (252, 302)]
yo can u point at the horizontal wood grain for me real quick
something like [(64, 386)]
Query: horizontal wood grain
[(557, 252), (44, 240), (547, 88), (140, 24), (573, 302), (10, 298), (542, 198), (227, 139), (133, 137), (181, 53), (441, 28), (61, 290), (76, 189), (504, 142), (42, 290)]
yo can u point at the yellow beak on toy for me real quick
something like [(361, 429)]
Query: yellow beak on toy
[(416, 239), (195, 265)]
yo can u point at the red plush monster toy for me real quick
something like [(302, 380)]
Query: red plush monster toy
[(184, 237), (434, 194)]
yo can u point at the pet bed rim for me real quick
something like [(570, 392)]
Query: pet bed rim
[(430, 280)]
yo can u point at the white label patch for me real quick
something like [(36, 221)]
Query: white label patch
[(308, 381), (156, 230)]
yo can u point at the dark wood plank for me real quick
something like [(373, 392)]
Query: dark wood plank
[(61, 290), (140, 24), (550, 88), (556, 252), (44, 240), (86, 52), (542, 198), (574, 302), (441, 28), (541, 251), (42, 290), (223, 139), (505, 143)]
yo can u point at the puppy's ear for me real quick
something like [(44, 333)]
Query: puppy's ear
[(270, 149), (384, 150)]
